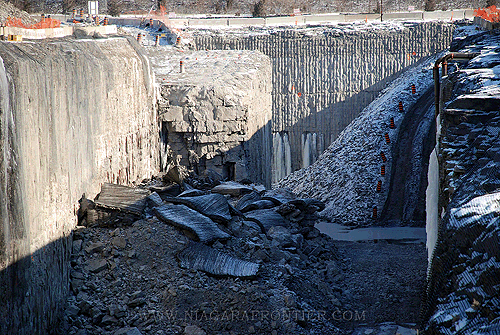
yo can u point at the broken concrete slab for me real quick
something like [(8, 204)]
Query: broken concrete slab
[(201, 257), (184, 217), (214, 205), (247, 199), (266, 218), (127, 199), (279, 196), (232, 188), (260, 204)]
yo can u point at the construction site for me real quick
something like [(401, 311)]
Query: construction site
[(249, 168)]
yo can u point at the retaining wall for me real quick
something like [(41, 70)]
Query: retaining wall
[(73, 115), (322, 78)]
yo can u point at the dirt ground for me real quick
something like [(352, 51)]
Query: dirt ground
[(385, 279)]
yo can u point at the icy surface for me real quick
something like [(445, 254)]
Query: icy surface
[(432, 197)]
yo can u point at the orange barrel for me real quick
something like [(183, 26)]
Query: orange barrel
[(181, 67), (387, 139), (391, 123), (382, 170), (400, 106), (374, 215), (413, 89), (379, 186)]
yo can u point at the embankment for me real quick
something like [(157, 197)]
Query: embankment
[(74, 114)]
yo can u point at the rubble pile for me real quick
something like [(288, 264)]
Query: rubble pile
[(231, 259), (8, 10)]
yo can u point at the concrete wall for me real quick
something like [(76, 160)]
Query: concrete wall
[(447, 15), (322, 78), (74, 114)]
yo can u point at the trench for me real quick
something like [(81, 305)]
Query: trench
[(405, 204), (305, 262)]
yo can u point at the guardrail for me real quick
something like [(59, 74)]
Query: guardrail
[(450, 15)]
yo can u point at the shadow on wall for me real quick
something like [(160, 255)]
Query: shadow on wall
[(34, 289), (315, 133), (250, 159)]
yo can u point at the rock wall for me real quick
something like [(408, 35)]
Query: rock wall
[(323, 77), (73, 115), (464, 272), (217, 113)]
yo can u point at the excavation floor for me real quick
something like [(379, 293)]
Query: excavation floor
[(384, 279)]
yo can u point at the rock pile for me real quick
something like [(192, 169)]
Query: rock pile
[(260, 266), (8, 10)]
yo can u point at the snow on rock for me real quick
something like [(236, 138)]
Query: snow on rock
[(346, 174), (462, 292)]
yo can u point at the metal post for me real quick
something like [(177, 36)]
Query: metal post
[(381, 11)]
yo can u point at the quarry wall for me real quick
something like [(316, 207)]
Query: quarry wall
[(323, 77), (73, 115), (217, 113), (463, 223)]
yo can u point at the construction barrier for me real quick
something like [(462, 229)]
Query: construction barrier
[(392, 125), (491, 14), (387, 139), (14, 38), (43, 24)]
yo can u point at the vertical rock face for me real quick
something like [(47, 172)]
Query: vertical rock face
[(73, 114), (464, 273), (217, 113), (323, 77)]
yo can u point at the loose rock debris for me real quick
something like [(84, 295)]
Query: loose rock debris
[(151, 277)]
